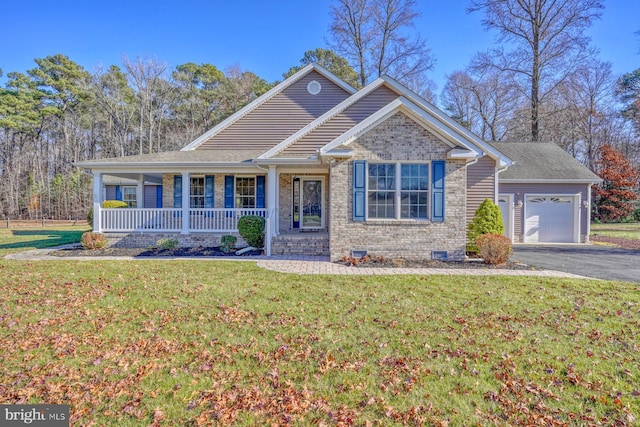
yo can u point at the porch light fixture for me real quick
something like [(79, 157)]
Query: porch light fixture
[(585, 204), (519, 204)]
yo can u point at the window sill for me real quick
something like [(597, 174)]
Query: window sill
[(399, 222)]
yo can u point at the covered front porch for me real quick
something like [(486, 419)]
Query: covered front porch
[(198, 208)]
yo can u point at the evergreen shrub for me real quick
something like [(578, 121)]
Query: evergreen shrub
[(251, 228), (486, 220)]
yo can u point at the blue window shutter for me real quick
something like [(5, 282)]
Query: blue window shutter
[(437, 190), (177, 191), (118, 193), (228, 191), (208, 191), (260, 192), (359, 187), (158, 196)]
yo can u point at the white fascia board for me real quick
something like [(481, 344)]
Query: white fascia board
[(264, 98), (170, 167), (288, 161), (437, 113), (549, 181), (322, 119)]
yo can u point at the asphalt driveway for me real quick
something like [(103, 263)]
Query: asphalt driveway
[(595, 261)]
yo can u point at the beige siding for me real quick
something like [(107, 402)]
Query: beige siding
[(341, 123), (520, 191), (279, 117), (481, 181)]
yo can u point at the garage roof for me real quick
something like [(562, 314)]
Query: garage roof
[(542, 161)]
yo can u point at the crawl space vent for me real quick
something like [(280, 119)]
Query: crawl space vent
[(358, 254), (440, 255)]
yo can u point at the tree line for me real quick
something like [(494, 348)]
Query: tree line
[(58, 113), (542, 81)]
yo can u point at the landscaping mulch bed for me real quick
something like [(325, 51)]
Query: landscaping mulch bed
[(383, 262), (152, 252), (367, 262), (617, 241)]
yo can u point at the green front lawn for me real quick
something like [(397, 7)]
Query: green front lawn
[(629, 230), (19, 239), (170, 343)]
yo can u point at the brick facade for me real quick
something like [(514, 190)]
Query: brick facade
[(145, 240), (398, 139)]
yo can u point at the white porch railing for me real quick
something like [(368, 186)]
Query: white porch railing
[(170, 219)]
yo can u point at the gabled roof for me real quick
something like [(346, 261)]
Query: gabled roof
[(271, 94), (421, 110), (542, 162)]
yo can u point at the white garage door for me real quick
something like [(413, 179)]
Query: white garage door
[(550, 219)]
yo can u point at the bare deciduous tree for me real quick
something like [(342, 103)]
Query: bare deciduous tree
[(372, 35), (547, 42)]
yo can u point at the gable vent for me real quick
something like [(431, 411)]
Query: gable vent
[(314, 87)]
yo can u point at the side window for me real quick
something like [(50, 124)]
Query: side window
[(129, 196)]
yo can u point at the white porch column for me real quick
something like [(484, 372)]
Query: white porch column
[(272, 206), (140, 192), (186, 191), (97, 200)]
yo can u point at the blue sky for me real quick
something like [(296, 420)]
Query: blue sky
[(266, 37)]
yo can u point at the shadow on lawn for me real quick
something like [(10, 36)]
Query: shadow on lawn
[(43, 238)]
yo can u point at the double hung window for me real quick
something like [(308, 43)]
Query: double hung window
[(398, 191), (196, 194), (129, 196)]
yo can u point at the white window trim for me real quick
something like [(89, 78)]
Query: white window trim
[(191, 187), (398, 191), (135, 193), (235, 190)]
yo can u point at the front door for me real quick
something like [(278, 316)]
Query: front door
[(308, 203)]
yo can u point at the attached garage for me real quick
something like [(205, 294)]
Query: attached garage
[(551, 219), (545, 194)]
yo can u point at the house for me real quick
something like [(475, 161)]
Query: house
[(333, 170), (545, 195)]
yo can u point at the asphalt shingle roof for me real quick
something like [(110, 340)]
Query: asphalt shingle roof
[(541, 161), (199, 156)]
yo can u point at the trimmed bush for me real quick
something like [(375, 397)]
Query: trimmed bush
[(486, 220), (91, 240), (251, 228), (110, 204), (167, 243), (105, 204), (494, 248), (228, 243)]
